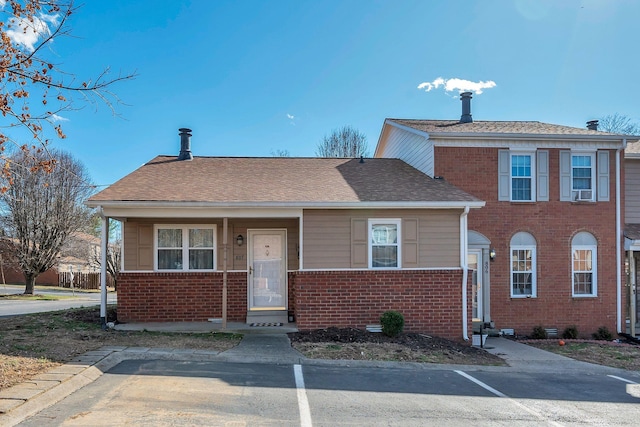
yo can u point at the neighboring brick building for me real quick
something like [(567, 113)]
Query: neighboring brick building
[(547, 247)]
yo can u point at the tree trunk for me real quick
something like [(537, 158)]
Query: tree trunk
[(30, 284)]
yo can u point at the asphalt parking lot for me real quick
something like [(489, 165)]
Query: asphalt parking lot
[(171, 392)]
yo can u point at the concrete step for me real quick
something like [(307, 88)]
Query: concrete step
[(268, 316)]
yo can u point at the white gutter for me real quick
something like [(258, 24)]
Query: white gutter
[(465, 271), (293, 205), (103, 267), (619, 239)]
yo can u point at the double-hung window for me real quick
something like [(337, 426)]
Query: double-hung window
[(584, 258), (522, 177), (523, 265), (384, 243), (190, 247), (582, 176)]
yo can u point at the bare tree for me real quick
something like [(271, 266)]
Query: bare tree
[(280, 153), (343, 142), (28, 28), (114, 252), (42, 206), (617, 123)]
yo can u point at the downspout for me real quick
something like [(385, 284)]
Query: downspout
[(465, 270), (619, 239), (104, 241)]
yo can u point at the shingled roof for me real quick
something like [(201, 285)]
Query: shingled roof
[(496, 127), (278, 180)]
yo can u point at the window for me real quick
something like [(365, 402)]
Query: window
[(583, 265), (582, 176), (522, 182), (523, 265), (384, 243), (185, 247)]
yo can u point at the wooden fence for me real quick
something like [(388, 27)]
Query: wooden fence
[(82, 280)]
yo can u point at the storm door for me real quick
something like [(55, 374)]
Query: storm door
[(267, 272), (474, 262)]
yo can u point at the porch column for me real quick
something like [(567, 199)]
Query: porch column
[(225, 230), (104, 244), (632, 293)]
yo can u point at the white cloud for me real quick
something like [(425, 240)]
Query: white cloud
[(27, 33), (457, 84), (57, 118)]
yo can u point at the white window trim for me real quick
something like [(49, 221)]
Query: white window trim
[(185, 246), (533, 177), (594, 271), (534, 267), (591, 154), (371, 223)]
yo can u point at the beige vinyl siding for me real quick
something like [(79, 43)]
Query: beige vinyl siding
[(328, 237), (632, 191), (415, 150), (139, 241), (440, 239)]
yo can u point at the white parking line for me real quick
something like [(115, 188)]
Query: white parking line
[(500, 394), (622, 379), (303, 403)]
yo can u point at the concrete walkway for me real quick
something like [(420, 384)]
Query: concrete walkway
[(259, 345)]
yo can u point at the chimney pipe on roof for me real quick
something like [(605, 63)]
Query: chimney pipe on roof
[(592, 125), (185, 144), (465, 97)]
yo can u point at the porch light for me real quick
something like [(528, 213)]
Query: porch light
[(240, 240), (492, 254)]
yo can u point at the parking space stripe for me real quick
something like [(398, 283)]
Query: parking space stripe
[(622, 379), (303, 403), (500, 394)]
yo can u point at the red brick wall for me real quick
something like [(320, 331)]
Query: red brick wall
[(552, 224), (431, 301), (180, 297)]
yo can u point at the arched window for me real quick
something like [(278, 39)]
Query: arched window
[(523, 265), (584, 261)]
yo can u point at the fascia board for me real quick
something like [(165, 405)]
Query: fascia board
[(172, 210)]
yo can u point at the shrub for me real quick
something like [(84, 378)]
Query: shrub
[(570, 332), (392, 323), (602, 334), (539, 333)]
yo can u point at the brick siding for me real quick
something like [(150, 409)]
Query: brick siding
[(552, 224), (429, 300)]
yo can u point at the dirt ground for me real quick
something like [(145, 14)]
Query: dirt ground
[(32, 344), (616, 354), (357, 344)]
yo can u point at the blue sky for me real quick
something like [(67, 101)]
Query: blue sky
[(252, 77)]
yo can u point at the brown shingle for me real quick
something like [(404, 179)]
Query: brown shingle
[(495, 127), (278, 179)]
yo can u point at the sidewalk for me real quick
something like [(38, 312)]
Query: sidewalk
[(259, 345)]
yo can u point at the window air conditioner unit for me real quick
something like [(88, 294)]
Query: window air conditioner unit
[(584, 195)]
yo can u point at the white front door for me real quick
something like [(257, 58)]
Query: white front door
[(267, 275), (474, 262)]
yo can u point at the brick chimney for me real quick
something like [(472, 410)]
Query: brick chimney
[(465, 97), (185, 144), (592, 125)]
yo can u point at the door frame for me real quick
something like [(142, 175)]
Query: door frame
[(283, 267)]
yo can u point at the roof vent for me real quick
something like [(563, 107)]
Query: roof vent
[(465, 97), (185, 144), (592, 125)]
